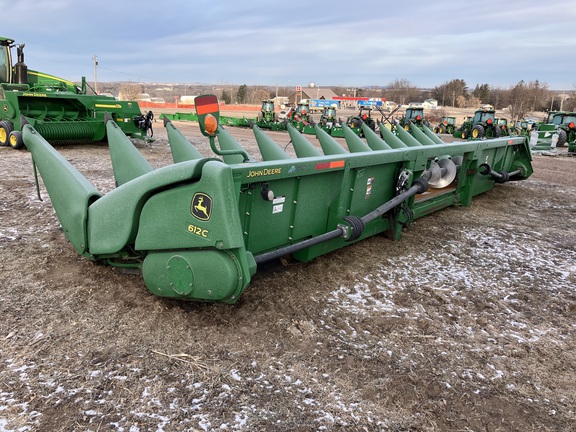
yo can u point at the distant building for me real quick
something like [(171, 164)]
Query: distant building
[(144, 97), (427, 104), (430, 104), (187, 99), (312, 93)]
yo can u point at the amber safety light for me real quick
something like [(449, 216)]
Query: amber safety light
[(210, 124)]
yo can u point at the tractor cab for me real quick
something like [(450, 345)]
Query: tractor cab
[(484, 117), (6, 60), (413, 115), (267, 106), (563, 118), (267, 112), (447, 125), (328, 114), (302, 112)]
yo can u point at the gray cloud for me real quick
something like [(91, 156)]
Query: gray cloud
[(289, 43)]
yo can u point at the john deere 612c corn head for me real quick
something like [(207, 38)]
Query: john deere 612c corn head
[(200, 228)]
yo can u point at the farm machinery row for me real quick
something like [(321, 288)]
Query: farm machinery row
[(200, 228), (58, 108)]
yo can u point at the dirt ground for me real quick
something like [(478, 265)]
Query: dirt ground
[(465, 324)]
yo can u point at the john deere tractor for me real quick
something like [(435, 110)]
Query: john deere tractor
[(482, 125), (446, 126), (267, 113), (502, 124), (57, 108), (413, 115), (328, 117), (560, 122)]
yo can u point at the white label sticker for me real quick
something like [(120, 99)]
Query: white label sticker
[(277, 208), (278, 200)]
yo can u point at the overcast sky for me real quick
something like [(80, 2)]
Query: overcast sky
[(294, 42)]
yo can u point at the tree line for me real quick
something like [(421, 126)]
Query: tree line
[(520, 99)]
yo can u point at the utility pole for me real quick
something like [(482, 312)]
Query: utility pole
[(95, 73)]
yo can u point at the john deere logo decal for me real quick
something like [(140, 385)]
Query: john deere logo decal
[(201, 206)]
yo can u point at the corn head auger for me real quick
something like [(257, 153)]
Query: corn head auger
[(199, 228)]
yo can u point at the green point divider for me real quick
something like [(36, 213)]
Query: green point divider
[(374, 141), (227, 142), (354, 142), (430, 133), (420, 136), (127, 162), (269, 150), (390, 139), (406, 138), (302, 146), (181, 149), (329, 145)]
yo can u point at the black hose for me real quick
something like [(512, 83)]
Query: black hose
[(499, 177), (420, 185)]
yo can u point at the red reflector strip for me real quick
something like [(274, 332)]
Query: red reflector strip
[(510, 142), (207, 109), (329, 165)]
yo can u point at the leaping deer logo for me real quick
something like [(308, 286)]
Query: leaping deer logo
[(201, 206)]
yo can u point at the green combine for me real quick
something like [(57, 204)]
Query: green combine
[(200, 228), (57, 108)]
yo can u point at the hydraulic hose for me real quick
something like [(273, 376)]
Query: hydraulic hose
[(420, 185), (499, 177)]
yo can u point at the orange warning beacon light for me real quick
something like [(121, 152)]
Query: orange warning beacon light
[(208, 112)]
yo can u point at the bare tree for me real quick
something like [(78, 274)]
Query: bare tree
[(130, 91), (527, 97), (519, 100), (448, 93), (401, 91)]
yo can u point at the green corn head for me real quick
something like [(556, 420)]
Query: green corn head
[(200, 228)]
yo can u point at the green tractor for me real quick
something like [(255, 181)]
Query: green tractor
[(364, 116), (302, 112), (267, 113), (482, 125), (57, 108), (328, 117), (413, 115), (504, 127), (446, 126), (524, 127), (564, 124)]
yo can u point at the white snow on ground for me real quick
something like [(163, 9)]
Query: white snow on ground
[(279, 379), (450, 273)]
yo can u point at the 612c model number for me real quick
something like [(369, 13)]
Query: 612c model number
[(198, 231)]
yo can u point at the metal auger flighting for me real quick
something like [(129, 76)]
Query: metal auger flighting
[(200, 228)]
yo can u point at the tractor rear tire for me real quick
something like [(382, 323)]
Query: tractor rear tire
[(497, 132), (562, 138), (441, 129), (478, 131), (15, 140), (6, 127)]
